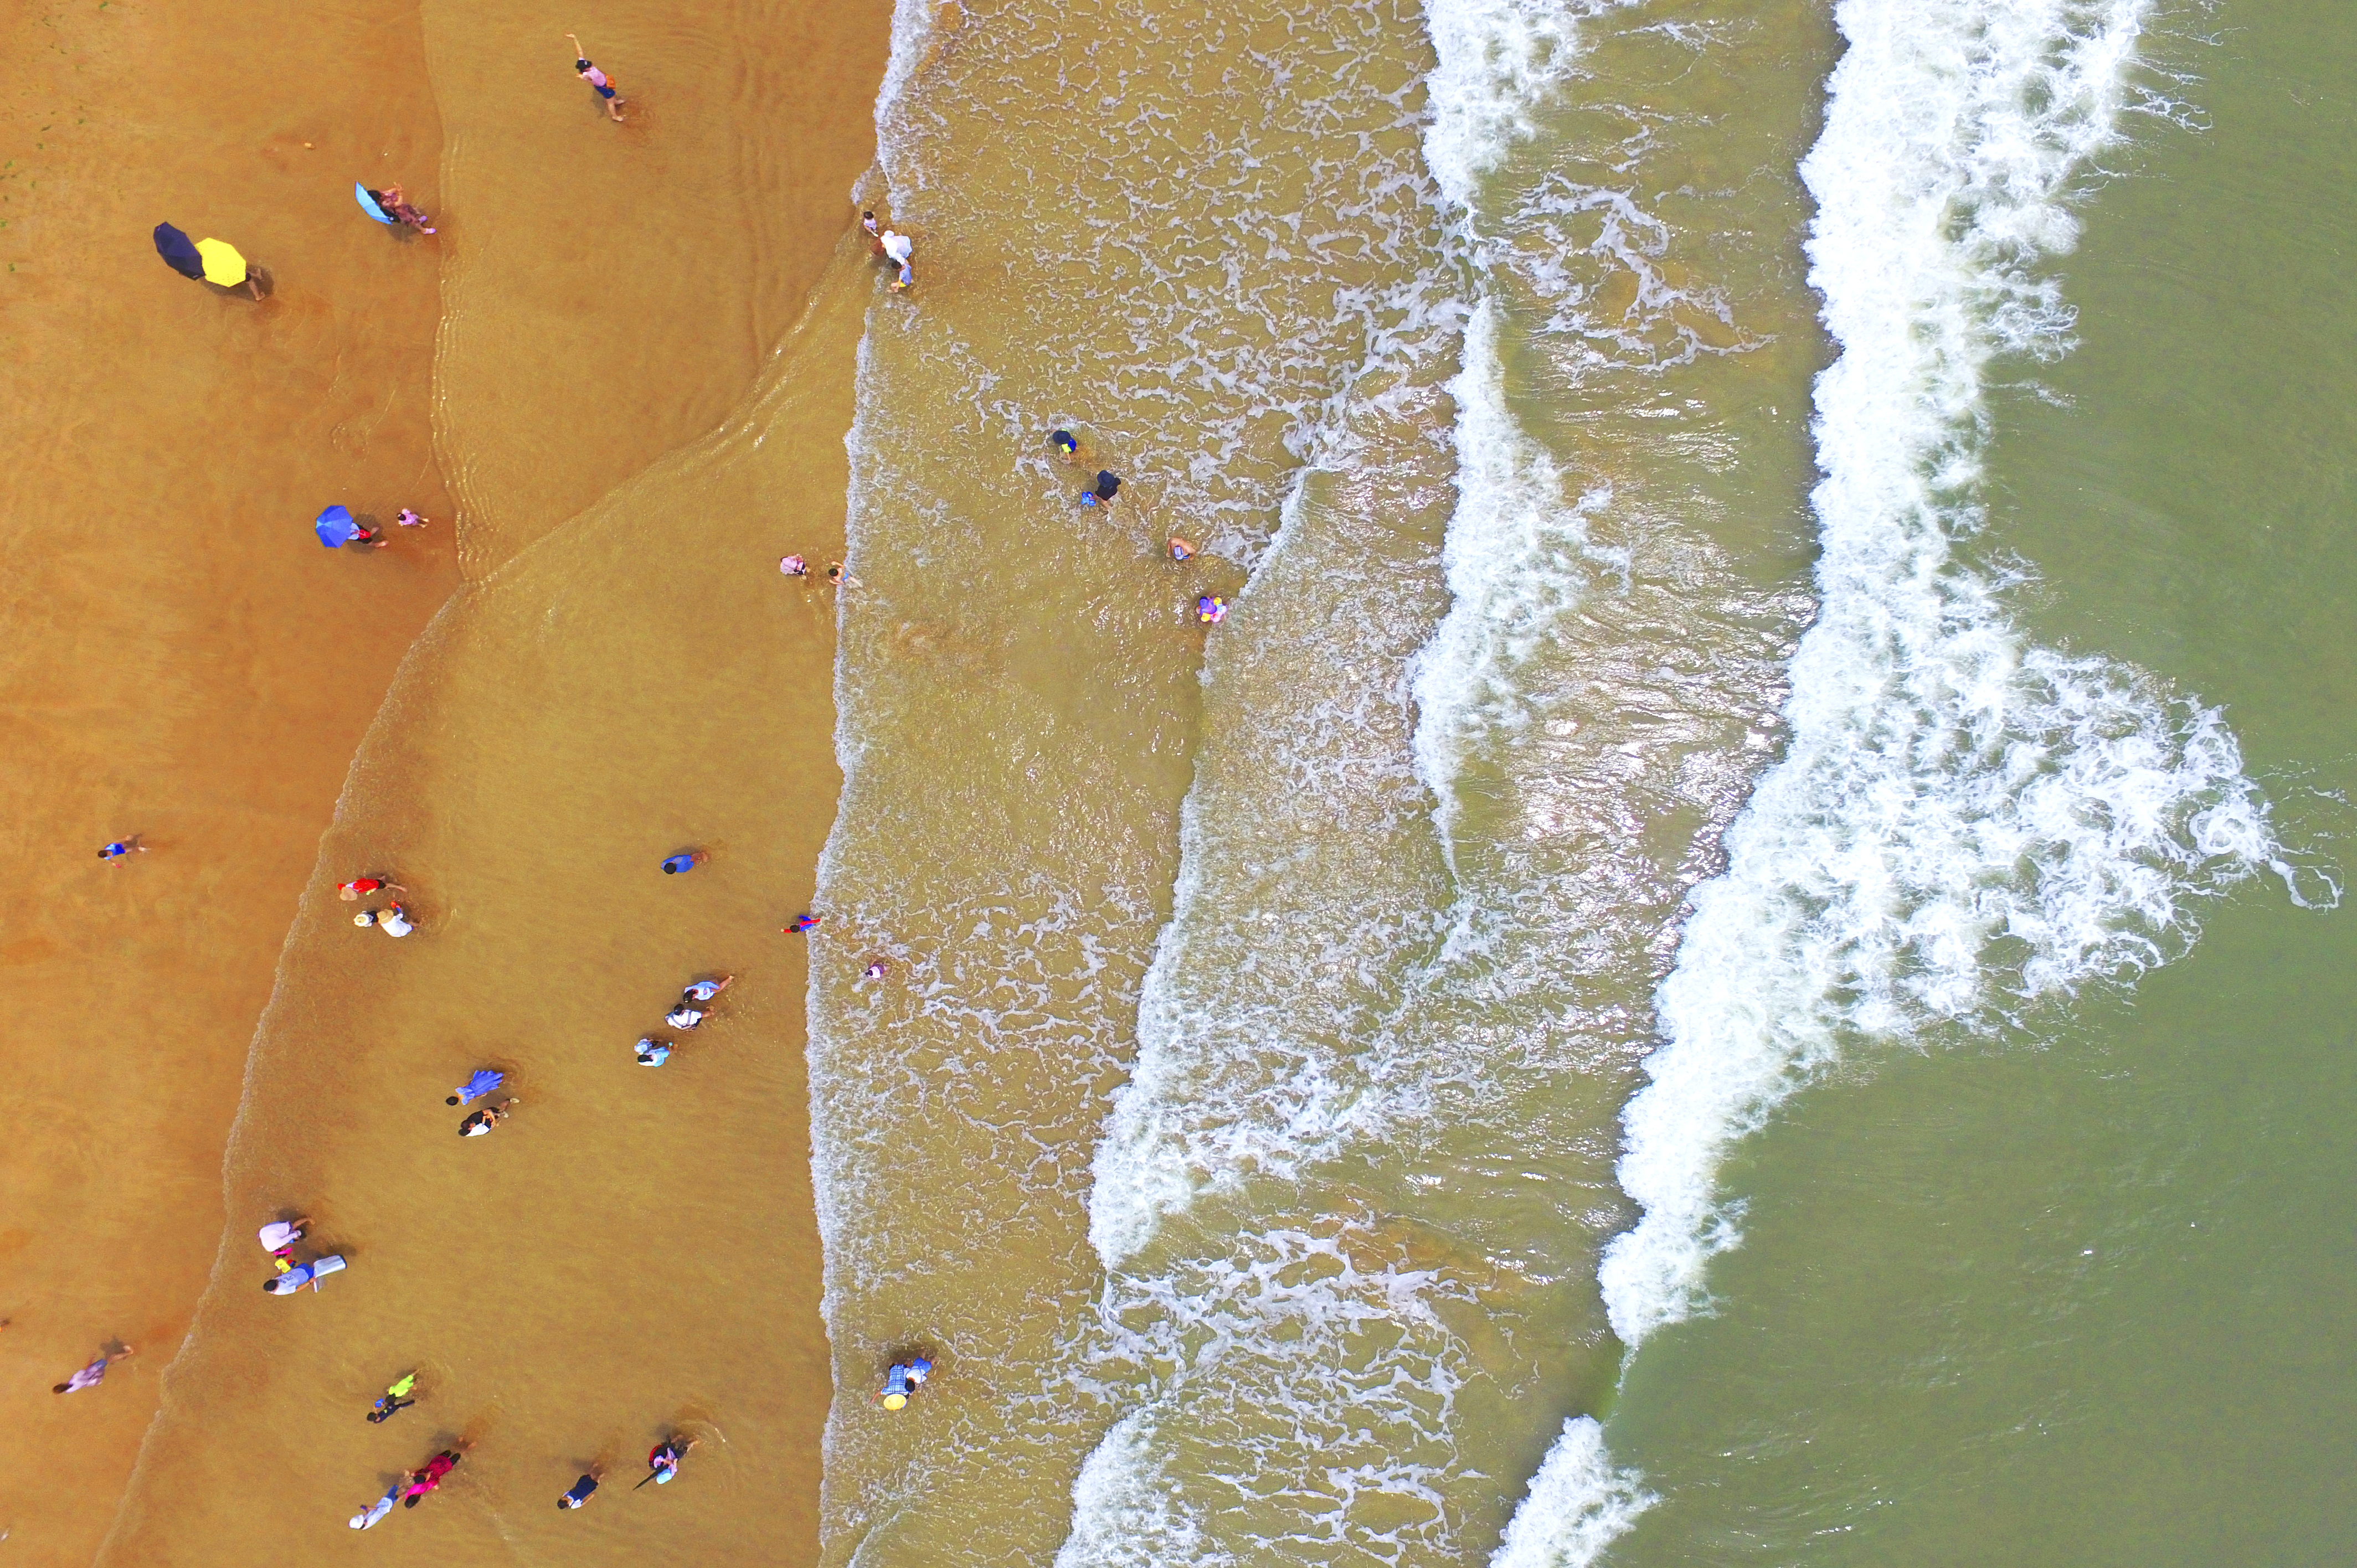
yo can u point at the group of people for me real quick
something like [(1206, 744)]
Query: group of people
[(1210, 609)]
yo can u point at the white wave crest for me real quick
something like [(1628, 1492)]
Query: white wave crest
[(1494, 62), (1578, 1504), (1516, 558), (1124, 1514), (1964, 822)]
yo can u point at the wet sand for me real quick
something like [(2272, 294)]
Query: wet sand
[(633, 1254), (212, 701), (177, 657)]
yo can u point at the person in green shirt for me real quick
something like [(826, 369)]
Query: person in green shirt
[(391, 1399)]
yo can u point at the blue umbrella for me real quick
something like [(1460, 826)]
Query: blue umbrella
[(367, 200), (180, 253), (335, 526)]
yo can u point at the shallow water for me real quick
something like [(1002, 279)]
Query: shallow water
[(1726, 953)]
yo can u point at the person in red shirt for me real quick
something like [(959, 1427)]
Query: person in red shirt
[(417, 1483), (360, 886)]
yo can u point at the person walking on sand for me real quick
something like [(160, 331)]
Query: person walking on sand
[(577, 1496), (352, 892), (90, 1376), (490, 1116), (599, 80), (122, 849)]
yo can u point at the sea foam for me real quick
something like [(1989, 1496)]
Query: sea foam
[(1964, 822)]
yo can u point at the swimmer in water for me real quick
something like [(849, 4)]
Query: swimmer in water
[(804, 924), (406, 518), (1182, 549), (122, 849), (686, 860), (876, 970), (839, 577)]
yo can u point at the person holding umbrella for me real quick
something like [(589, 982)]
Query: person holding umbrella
[(336, 529), (207, 261), (386, 206)]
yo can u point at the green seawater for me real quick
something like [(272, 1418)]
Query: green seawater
[(2085, 1294)]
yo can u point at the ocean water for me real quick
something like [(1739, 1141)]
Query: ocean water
[(1362, 1082)]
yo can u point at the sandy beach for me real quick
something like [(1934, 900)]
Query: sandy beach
[(183, 662)]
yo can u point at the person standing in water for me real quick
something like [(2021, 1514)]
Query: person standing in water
[(350, 892), (897, 249), (372, 1515), (481, 1081), (90, 1376), (490, 1116), (392, 921), (417, 1483), (1108, 486), (705, 990), (278, 1239), (663, 1459), (394, 1398), (902, 1379), (389, 198), (653, 1052), (1066, 445), (598, 79), (582, 1490)]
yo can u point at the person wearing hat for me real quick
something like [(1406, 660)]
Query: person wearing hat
[(902, 1379), (598, 79)]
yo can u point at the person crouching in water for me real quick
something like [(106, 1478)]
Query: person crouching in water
[(902, 1379)]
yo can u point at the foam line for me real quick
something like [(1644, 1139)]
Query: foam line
[(1965, 822)]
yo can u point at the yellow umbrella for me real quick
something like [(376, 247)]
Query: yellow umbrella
[(224, 265)]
